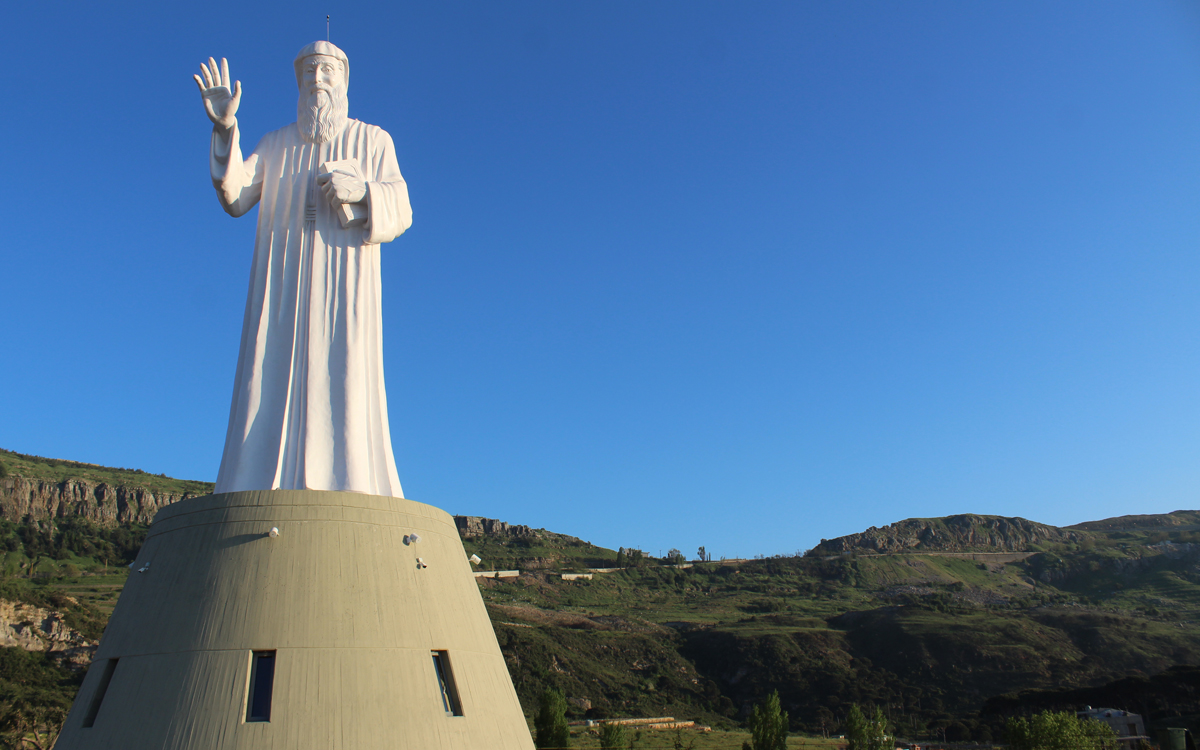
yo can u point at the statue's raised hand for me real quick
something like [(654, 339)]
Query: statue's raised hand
[(220, 103)]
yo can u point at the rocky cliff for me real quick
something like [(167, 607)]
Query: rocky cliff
[(963, 533), (37, 629), (101, 503), (476, 526)]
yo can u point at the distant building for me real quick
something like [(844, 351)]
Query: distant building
[(1127, 726)]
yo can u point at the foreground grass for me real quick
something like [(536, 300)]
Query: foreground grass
[(666, 739)]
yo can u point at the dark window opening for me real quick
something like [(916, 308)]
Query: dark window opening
[(262, 678), (98, 696), (445, 678)]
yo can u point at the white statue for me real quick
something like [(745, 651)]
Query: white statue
[(309, 409)]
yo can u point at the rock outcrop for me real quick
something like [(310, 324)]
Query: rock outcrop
[(963, 533), (36, 629), (476, 526), (103, 504)]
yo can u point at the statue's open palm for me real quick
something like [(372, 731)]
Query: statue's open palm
[(219, 101)]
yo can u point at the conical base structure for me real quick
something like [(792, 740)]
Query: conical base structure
[(357, 626)]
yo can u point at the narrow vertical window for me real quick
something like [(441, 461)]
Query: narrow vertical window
[(445, 678), (98, 697), (262, 678)]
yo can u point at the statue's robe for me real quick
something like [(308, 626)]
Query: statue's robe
[(309, 409)]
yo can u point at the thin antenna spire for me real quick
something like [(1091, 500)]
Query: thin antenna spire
[(327, 27)]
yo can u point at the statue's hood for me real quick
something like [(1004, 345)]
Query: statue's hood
[(321, 48)]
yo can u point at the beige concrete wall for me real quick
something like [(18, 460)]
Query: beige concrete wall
[(338, 596)]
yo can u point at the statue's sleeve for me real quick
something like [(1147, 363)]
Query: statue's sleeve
[(238, 182), (388, 210)]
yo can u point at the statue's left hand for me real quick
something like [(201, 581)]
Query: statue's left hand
[(341, 188)]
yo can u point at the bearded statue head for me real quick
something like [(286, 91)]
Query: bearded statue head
[(322, 75)]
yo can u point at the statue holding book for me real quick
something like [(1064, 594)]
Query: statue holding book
[(309, 409)]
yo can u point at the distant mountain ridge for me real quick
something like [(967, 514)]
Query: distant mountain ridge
[(1179, 520), (45, 488), (959, 533)]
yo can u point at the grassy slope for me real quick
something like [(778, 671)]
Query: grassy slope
[(58, 470), (551, 551)]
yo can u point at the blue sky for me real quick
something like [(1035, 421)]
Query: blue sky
[(743, 275)]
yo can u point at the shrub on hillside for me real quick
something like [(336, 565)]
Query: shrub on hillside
[(550, 724), (1057, 730)]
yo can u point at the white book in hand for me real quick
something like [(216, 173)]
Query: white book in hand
[(349, 214)]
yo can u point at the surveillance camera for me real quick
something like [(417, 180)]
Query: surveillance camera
[(274, 532), (475, 559)]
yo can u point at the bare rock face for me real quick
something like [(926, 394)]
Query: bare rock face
[(962, 533), (476, 526), (39, 499), (36, 629)]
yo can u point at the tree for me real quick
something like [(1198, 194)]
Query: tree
[(677, 742), (866, 734), (612, 737), (31, 718), (824, 720), (551, 721), (675, 557), (769, 725), (702, 555), (1057, 730)]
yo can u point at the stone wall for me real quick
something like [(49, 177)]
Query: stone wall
[(40, 499)]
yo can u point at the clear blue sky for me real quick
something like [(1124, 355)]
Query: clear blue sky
[(743, 275)]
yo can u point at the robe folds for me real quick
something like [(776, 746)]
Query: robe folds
[(309, 409)]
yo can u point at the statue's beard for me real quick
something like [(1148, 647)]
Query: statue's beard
[(321, 115)]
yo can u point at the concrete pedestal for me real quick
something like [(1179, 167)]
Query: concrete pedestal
[(354, 626)]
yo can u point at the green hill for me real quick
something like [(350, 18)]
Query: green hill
[(60, 470), (1180, 520), (943, 632)]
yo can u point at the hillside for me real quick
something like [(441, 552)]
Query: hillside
[(947, 622), (1180, 520), (59, 470), (963, 533), (979, 608), (36, 488)]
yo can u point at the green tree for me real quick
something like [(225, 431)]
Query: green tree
[(31, 718), (612, 737), (551, 721), (675, 557), (866, 734), (769, 725), (1057, 730), (677, 742)]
